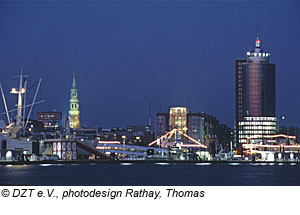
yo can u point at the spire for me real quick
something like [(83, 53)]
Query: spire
[(74, 113), (74, 81)]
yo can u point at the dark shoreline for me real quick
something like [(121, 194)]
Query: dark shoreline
[(4, 163)]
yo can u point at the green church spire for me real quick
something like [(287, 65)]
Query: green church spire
[(74, 81), (74, 119)]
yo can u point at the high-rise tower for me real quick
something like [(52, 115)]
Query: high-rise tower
[(259, 96), (255, 96), (74, 120)]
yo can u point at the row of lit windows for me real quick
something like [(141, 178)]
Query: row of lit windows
[(259, 127), (258, 54), (180, 118), (257, 123), (261, 119), (258, 132), (251, 137)]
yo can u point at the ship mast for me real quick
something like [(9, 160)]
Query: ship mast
[(19, 107)]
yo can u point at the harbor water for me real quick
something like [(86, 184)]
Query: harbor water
[(153, 174)]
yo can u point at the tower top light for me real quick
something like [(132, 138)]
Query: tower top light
[(257, 42)]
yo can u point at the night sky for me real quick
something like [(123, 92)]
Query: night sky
[(126, 54)]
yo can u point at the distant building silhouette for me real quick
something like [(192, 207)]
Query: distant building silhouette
[(52, 119)]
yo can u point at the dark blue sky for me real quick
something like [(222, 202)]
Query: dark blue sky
[(128, 53)]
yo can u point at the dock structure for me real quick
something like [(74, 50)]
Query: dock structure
[(69, 149), (172, 138)]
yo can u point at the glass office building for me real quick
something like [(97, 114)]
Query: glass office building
[(256, 129)]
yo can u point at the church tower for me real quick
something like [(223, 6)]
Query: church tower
[(74, 106)]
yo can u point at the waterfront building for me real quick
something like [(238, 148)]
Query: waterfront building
[(162, 124), (196, 126), (178, 118), (202, 127), (51, 120), (211, 126), (238, 95), (74, 113), (253, 129), (86, 133), (132, 135), (225, 137), (292, 130), (255, 96), (139, 135), (68, 149)]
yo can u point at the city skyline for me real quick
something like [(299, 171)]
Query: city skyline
[(116, 85)]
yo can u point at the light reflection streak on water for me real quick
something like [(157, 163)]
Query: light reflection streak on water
[(162, 164), (234, 164), (203, 164), (126, 164)]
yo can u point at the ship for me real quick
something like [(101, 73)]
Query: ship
[(14, 144)]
